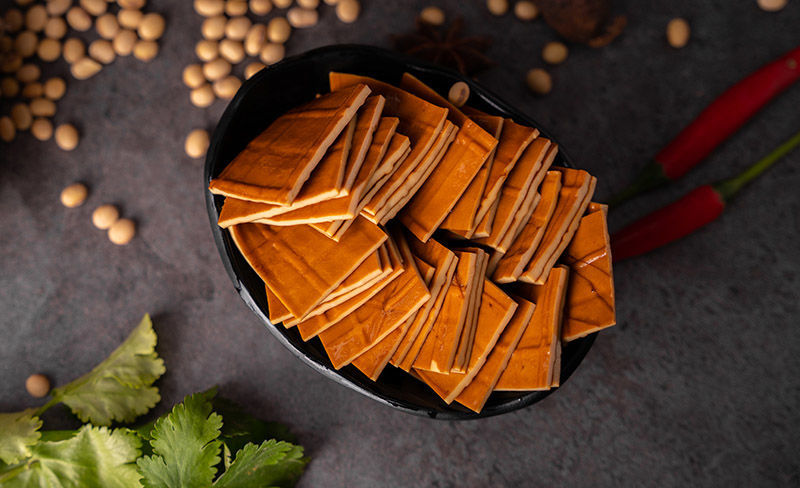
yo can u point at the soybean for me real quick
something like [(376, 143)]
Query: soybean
[(102, 50), (207, 50), (38, 385), (213, 28), (85, 68), (555, 52), (43, 107), (278, 30), (78, 19), (196, 143), (497, 7), (253, 68), (145, 50), (29, 73), (260, 7), (26, 43), (104, 216), (121, 232), (151, 27), (22, 116), (301, 18), (124, 42), (11, 63), (94, 7), (237, 28), (526, 10), (129, 18), (33, 90), (14, 20), (231, 50), (9, 87), (74, 50), (58, 7), (132, 4), (272, 53), (308, 3), (209, 8), (282, 3), (193, 76), (678, 32), (49, 50), (772, 5), (539, 81), (348, 10), (255, 39), (202, 96), (54, 88), (107, 26), (7, 129), (458, 94), (432, 15), (216, 69), (42, 129), (234, 8), (36, 18), (67, 137), (75, 194), (227, 87), (56, 28)]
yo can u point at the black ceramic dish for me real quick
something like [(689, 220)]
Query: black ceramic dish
[(285, 85)]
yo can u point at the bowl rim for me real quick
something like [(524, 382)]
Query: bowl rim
[(476, 89)]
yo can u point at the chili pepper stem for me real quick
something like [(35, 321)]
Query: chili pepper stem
[(728, 188), (652, 176)]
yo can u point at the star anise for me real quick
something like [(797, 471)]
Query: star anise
[(446, 46)]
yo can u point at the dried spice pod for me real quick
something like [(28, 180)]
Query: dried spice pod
[(446, 46), (584, 21)]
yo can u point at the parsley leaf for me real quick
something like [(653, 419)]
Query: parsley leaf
[(120, 388), (19, 431), (95, 456), (273, 463), (185, 445), (240, 428)]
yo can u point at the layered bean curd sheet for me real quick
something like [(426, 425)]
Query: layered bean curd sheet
[(400, 230)]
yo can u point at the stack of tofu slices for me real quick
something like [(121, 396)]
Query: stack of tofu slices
[(399, 229)]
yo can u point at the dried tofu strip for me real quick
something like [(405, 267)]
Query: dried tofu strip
[(532, 364), (467, 339), (373, 361), (316, 189), (484, 226), (530, 203), (274, 165), (445, 261), (367, 272), (449, 180), (367, 122), (590, 295), (475, 395), (301, 265), (419, 120), (577, 189), (387, 147), (497, 310), (514, 139), (410, 187), (441, 345), (312, 326), (515, 189), (377, 318), (462, 219), (519, 254)]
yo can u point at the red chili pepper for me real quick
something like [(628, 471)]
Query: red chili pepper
[(715, 124), (684, 216)]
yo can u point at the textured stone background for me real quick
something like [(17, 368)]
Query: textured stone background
[(698, 385)]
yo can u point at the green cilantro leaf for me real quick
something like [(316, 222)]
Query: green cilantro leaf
[(240, 427), (185, 446), (95, 456), (273, 463), (120, 388), (19, 431)]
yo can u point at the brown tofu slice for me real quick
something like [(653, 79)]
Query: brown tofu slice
[(301, 265), (497, 310), (377, 318), (345, 207), (467, 339), (373, 361), (514, 139), (324, 183), (316, 323), (419, 120), (367, 272), (441, 345), (590, 295), (368, 119), (274, 165), (409, 188), (531, 365), (515, 189), (399, 148), (484, 226), (475, 395), (462, 219), (441, 190), (519, 254), (577, 189), (530, 203)]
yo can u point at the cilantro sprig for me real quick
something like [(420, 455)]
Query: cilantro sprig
[(204, 441)]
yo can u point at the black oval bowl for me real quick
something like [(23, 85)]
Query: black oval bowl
[(285, 85)]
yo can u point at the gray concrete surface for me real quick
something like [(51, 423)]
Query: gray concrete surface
[(699, 385)]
